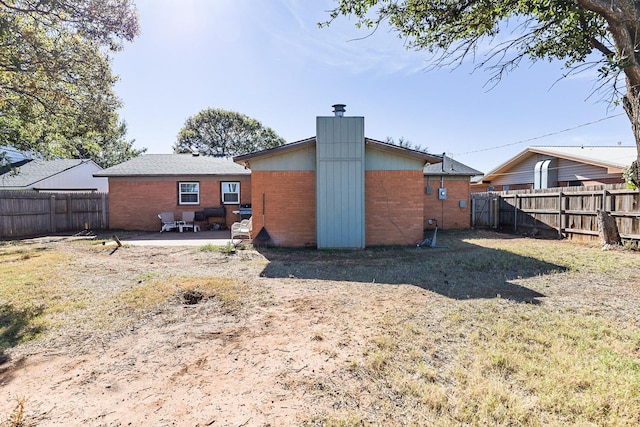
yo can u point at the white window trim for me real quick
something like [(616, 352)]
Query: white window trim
[(222, 192), (180, 193)]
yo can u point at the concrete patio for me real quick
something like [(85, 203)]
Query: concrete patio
[(175, 238)]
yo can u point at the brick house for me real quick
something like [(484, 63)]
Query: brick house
[(342, 190), (449, 209), (338, 189), (141, 188)]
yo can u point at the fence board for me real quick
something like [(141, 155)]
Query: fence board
[(568, 211), (29, 213)]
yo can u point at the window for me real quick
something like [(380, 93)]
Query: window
[(231, 193), (188, 193)]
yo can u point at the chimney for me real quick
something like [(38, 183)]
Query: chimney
[(338, 109)]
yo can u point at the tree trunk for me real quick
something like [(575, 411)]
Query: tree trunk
[(608, 229), (623, 19), (631, 102)]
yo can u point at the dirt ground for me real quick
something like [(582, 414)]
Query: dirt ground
[(195, 365), (201, 365)]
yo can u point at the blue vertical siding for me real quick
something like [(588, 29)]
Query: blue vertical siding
[(340, 216)]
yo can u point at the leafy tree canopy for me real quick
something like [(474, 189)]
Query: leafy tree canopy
[(105, 148), (56, 84), (569, 30), (217, 132)]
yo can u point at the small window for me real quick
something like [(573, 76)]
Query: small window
[(231, 193), (189, 193)]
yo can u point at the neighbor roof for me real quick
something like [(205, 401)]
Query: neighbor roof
[(450, 167), (174, 165), (33, 171), (615, 157)]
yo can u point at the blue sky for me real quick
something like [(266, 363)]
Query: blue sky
[(269, 60)]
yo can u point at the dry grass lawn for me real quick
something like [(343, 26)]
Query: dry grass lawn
[(489, 329)]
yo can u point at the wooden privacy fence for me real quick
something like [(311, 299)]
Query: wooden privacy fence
[(569, 211), (29, 213)]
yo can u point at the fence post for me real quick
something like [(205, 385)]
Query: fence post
[(560, 215), (604, 200), (473, 211), (490, 211), (515, 213), (52, 213), (69, 212), (104, 224)]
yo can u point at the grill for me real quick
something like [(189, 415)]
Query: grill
[(245, 211)]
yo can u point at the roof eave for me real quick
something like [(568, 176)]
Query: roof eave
[(489, 175), (404, 151), (168, 175), (449, 173), (245, 158), (578, 159)]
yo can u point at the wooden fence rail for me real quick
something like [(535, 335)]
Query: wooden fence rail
[(569, 211), (29, 213)]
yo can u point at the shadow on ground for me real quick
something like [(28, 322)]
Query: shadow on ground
[(16, 325), (457, 269)]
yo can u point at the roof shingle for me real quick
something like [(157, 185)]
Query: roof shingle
[(35, 171), (450, 167), (174, 165)]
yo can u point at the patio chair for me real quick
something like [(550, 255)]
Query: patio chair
[(188, 221), (168, 221), (242, 229)]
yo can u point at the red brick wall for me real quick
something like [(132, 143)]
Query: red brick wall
[(393, 207), (290, 206), (393, 203), (134, 204), (447, 213)]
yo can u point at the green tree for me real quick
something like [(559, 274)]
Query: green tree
[(569, 30), (56, 83), (217, 132), (105, 148)]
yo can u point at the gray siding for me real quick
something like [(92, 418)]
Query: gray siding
[(569, 170), (380, 160), (79, 177), (303, 159), (522, 173), (340, 162)]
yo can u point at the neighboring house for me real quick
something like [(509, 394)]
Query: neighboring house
[(547, 167), (141, 188), (62, 175), (446, 195), (342, 190)]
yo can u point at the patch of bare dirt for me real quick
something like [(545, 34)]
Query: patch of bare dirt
[(192, 364), (278, 361)]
